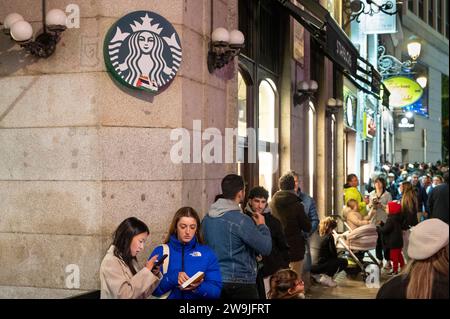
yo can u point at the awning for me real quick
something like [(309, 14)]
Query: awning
[(337, 47)]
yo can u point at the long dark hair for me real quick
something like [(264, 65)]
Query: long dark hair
[(123, 237), (185, 212), (382, 181)]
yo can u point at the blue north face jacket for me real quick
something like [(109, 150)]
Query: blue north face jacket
[(190, 258)]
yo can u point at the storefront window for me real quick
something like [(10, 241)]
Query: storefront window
[(311, 147), (267, 134), (242, 121), (333, 157)]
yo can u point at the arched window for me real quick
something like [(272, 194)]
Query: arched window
[(242, 123), (267, 134)]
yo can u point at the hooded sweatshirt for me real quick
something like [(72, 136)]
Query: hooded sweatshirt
[(236, 240), (288, 208)]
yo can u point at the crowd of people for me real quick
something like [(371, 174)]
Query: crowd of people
[(246, 247)]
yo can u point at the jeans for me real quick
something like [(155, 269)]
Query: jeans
[(307, 259), (331, 267), (239, 291)]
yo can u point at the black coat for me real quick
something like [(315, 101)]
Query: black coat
[(392, 231), (279, 256), (396, 288), (288, 208), (438, 202), (322, 249)]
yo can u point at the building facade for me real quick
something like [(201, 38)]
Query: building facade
[(428, 20), (80, 153)]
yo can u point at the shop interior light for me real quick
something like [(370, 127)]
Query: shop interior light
[(21, 31)]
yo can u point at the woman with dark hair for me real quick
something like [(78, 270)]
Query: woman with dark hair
[(119, 277), (378, 200), (188, 255)]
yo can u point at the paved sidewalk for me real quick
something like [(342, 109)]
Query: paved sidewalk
[(348, 288)]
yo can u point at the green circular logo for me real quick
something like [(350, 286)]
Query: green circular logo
[(142, 51)]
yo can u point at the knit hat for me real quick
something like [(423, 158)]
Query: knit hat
[(427, 238), (394, 208)]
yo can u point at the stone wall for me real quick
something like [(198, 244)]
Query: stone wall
[(78, 154)]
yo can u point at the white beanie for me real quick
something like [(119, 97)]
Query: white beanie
[(427, 238)]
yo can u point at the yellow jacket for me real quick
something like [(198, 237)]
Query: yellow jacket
[(353, 193)]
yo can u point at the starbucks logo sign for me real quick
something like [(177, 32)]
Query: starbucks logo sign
[(142, 50)]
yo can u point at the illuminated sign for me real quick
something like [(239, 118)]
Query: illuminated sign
[(380, 23), (404, 91), (405, 122), (142, 51), (370, 128)]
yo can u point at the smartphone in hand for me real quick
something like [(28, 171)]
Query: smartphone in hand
[(160, 261)]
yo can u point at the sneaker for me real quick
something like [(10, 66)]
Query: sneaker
[(316, 278), (327, 281), (388, 266)]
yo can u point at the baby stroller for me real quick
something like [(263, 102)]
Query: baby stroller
[(357, 243)]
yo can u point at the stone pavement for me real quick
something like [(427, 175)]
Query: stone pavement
[(348, 288)]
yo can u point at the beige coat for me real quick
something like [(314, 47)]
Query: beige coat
[(117, 281), (355, 219)]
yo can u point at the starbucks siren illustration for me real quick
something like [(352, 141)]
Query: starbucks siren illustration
[(142, 50)]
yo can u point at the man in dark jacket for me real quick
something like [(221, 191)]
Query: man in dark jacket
[(288, 208), (438, 201), (279, 256)]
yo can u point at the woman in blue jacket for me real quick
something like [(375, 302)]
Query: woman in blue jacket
[(187, 256)]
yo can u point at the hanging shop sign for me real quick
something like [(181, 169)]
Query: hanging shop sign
[(142, 51), (405, 123), (380, 23), (370, 128), (404, 91), (340, 47)]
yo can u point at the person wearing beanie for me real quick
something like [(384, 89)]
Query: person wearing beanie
[(426, 276), (393, 235)]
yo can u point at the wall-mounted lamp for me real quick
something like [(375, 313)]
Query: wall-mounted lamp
[(333, 106), (223, 47), (305, 91), (21, 31), (389, 65)]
